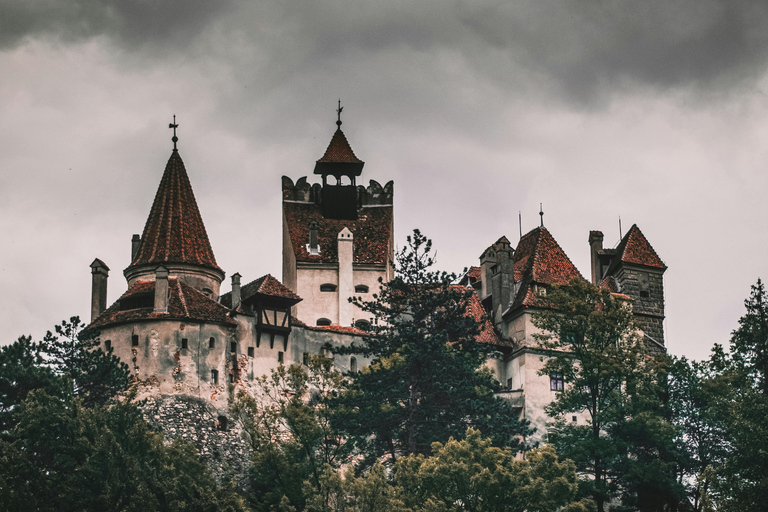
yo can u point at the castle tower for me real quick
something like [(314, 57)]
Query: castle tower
[(634, 269), (175, 237), (338, 238)]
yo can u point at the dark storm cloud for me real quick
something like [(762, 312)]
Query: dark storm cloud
[(131, 23)]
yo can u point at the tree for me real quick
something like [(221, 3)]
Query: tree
[(627, 445), (61, 455), (749, 343), (289, 424), (473, 475), (426, 380)]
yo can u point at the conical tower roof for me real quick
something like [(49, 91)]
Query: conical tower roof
[(174, 232), (635, 249), (339, 159)]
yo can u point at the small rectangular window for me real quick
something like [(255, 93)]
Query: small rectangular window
[(214, 376), (233, 346), (574, 418), (212, 342), (280, 357), (108, 345), (231, 377), (184, 343), (556, 382), (305, 358), (250, 351), (509, 383), (135, 340), (644, 294)]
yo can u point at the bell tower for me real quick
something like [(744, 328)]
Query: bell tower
[(339, 162)]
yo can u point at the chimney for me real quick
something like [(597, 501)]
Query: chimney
[(346, 285), (135, 243), (235, 289), (506, 273), (313, 247), (596, 245), (487, 263), (99, 275), (161, 289)]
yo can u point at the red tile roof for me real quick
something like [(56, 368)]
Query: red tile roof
[(341, 329), (372, 233), (635, 249), (185, 303), (174, 231), (339, 150), (266, 286), (476, 310), (539, 259)]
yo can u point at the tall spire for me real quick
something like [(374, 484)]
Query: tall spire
[(339, 159), (174, 125), (174, 232)]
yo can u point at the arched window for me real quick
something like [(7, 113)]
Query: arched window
[(363, 325), (361, 288), (323, 322), (353, 364), (328, 287)]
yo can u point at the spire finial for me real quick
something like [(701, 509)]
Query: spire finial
[(338, 111), (173, 125), (541, 213)]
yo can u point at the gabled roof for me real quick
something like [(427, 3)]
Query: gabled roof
[(372, 232), (265, 286), (174, 232), (184, 303), (635, 249), (476, 310), (539, 259)]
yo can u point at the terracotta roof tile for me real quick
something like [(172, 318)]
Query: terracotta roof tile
[(185, 303), (539, 259), (372, 233), (341, 329), (476, 310), (635, 249), (266, 286), (174, 231), (339, 150)]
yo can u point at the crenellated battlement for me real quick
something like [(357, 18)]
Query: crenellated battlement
[(372, 195)]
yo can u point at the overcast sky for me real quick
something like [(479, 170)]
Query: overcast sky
[(653, 111)]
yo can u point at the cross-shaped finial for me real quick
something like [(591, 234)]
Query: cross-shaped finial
[(541, 212), (338, 111), (173, 125)]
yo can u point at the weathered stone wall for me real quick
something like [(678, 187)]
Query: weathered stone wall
[(225, 451), (646, 288)]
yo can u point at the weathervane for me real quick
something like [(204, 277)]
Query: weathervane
[(541, 212), (338, 111), (173, 125)]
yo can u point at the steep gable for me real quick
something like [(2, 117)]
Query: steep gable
[(635, 249)]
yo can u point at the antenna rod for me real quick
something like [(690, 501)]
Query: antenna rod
[(620, 232), (541, 212), (520, 221)]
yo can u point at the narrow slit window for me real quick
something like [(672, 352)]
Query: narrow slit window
[(212, 342), (214, 376), (184, 343), (108, 345), (250, 351), (280, 357), (353, 364), (233, 346), (305, 358), (135, 340)]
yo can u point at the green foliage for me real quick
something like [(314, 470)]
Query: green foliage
[(629, 445), (62, 455), (471, 474), (290, 428), (426, 381)]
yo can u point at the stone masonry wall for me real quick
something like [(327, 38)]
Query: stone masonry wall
[(226, 452), (647, 291)]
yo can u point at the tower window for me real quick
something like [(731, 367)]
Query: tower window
[(556, 382), (231, 378), (353, 364), (361, 288), (135, 340), (233, 346), (305, 358), (108, 345), (214, 376), (509, 383), (363, 325), (212, 342), (184, 343), (328, 287), (280, 357), (250, 351), (221, 423), (644, 294), (323, 322)]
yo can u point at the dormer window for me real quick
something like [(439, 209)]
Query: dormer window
[(328, 287), (138, 301), (322, 322), (361, 288)]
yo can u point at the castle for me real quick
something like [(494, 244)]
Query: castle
[(181, 337)]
